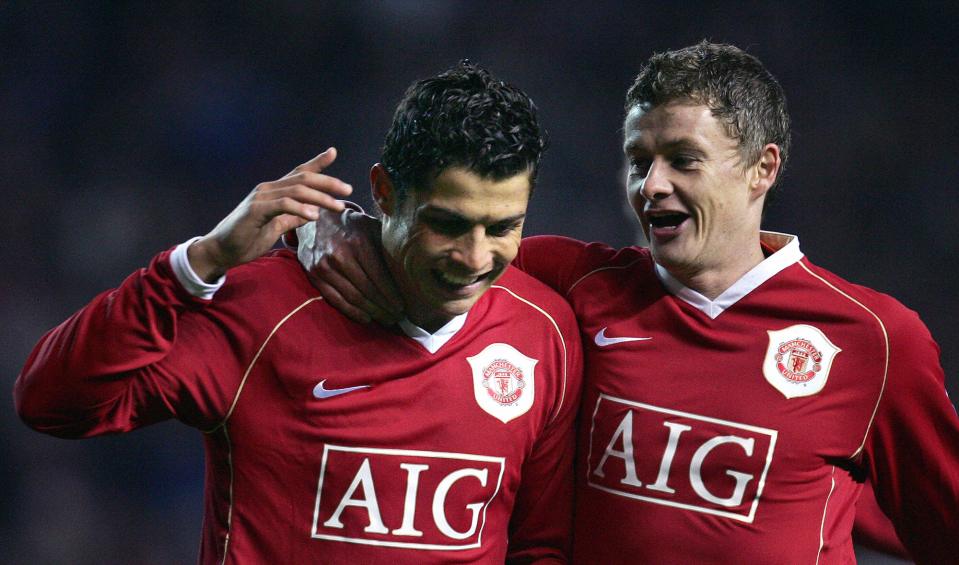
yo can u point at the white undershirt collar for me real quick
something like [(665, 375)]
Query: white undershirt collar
[(432, 342), (786, 253)]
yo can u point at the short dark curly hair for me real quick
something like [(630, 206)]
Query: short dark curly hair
[(465, 118), (735, 85)]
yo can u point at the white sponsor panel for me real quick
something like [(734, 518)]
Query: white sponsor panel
[(798, 360), (503, 382), (426, 500), (678, 459)]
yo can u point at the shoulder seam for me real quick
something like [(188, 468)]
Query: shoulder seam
[(885, 370), (249, 368), (594, 271), (562, 341)]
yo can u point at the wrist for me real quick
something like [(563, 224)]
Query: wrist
[(203, 260)]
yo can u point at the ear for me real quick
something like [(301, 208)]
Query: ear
[(766, 170), (384, 193)]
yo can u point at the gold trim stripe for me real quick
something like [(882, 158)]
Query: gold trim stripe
[(561, 340), (222, 425), (885, 371)]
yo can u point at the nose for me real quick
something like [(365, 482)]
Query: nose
[(657, 185), (473, 250)]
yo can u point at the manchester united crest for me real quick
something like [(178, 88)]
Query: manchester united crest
[(798, 360), (503, 381)]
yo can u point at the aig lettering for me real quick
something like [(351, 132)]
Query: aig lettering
[(674, 458), (404, 498)]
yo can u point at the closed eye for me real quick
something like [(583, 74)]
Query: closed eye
[(502, 229), (684, 161), (639, 167), (448, 226)]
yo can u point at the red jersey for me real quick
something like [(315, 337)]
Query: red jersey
[(740, 429), (329, 441)]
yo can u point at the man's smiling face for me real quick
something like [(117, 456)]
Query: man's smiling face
[(448, 243), (690, 188)]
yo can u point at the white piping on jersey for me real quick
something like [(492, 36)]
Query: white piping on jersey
[(229, 512), (562, 341), (822, 525), (222, 425), (594, 271), (783, 257), (885, 369), (249, 368), (432, 342)]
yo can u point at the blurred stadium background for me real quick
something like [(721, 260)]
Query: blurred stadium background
[(128, 127)]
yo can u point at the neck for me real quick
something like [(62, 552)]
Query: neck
[(713, 281), (427, 321)]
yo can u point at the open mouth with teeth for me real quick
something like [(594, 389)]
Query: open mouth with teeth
[(667, 219), (454, 283)]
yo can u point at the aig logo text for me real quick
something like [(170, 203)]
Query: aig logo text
[(678, 459), (426, 500)]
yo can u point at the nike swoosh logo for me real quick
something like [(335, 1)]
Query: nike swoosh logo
[(602, 341), (321, 391)]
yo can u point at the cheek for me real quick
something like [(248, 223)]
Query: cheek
[(634, 194), (506, 249), (425, 246)]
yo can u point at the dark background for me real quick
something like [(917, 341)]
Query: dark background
[(127, 128)]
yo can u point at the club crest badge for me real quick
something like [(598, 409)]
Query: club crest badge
[(798, 360), (503, 381)]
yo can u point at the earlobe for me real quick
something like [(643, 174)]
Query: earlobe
[(381, 186)]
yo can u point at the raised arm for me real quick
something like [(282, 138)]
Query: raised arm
[(126, 360)]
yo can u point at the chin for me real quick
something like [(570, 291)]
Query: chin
[(457, 308), (665, 259)]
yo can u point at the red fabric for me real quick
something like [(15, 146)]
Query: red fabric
[(410, 469), (873, 528), (701, 382)]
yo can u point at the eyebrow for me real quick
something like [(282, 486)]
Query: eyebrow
[(439, 213), (673, 145)]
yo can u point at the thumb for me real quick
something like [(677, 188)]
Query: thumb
[(318, 163)]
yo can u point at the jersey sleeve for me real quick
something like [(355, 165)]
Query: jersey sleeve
[(541, 523), (135, 355), (913, 448), (872, 528)]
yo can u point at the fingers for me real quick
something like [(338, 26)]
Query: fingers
[(318, 163), (375, 281), (315, 181), (281, 215), (303, 200), (353, 288), (337, 301)]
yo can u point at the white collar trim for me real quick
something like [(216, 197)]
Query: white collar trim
[(432, 342), (786, 253)]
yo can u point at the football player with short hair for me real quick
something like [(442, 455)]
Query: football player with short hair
[(445, 439), (737, 395)]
